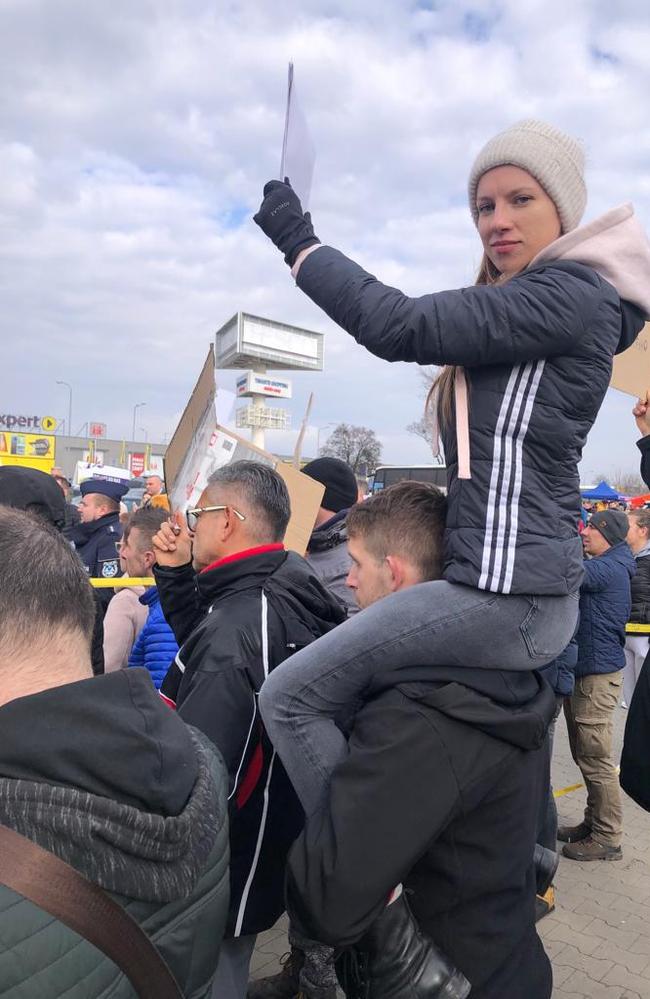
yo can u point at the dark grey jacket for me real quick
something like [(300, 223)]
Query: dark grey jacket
[(328, 556), (537, 352), (107, 777)]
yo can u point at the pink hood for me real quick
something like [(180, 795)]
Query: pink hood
[(616, 247)]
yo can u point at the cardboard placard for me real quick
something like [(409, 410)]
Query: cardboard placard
[(631, 371), (305, 495), (200, 446), (195, 425)]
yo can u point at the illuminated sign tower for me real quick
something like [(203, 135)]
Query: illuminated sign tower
[(265, 346)]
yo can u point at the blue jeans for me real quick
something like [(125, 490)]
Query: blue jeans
[(305, 699)]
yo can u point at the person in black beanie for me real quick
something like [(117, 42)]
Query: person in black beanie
[(327, 552), (33, 491), (37, 493)]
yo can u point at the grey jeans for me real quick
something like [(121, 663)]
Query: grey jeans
[(307, 697)]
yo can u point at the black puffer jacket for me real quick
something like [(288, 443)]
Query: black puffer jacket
[(440, 791), (640, 587), (234, 623), (537, 352)]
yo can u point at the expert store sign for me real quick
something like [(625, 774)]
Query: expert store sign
[(10, 421)]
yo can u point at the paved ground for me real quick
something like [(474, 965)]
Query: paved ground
[(598, 938)]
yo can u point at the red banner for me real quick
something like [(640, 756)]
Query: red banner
[(136, 464)]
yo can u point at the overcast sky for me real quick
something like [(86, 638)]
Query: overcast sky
[(136, 138)]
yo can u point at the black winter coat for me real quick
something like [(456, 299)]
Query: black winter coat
[(640, 613), (635, 758), (234, 624), (440, 791), (644, 447), (537, 352), (95, 546)]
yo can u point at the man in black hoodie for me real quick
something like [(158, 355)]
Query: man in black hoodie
[(439, 793), (239, 604)]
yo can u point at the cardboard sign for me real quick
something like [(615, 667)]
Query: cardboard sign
[(631, 371), (196, 424), (209, 446)]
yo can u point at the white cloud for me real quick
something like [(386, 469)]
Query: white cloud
[(135, 140)]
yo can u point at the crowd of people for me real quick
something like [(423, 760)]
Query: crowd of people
[(362, 735)]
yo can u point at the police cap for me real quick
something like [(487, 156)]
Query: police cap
[(114, 490)]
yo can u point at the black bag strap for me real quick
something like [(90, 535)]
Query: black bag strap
[(52, 885)]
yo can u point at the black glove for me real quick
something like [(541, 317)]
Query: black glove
[(394, 960), (281, 218)]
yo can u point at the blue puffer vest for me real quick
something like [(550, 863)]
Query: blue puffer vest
[(155, 647), (605, 605)]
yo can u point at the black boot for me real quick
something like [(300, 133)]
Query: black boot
[(546, 864), (395, 960)]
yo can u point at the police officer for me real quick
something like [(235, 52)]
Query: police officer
[(96, 536)]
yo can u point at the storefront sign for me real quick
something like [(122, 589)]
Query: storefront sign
[(36, 423), (254, 384), (31, 450)]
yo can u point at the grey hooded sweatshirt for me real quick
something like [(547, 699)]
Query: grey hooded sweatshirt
[(108, 778)]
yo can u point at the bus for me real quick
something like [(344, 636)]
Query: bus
[(387, 475)]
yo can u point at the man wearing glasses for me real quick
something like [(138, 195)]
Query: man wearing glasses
[(239, 604)]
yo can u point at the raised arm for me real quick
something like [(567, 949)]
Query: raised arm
[(539, 313)]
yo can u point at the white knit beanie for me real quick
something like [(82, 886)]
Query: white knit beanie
[(553, 158)]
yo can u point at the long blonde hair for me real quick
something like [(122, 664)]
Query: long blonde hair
[(438, 407)]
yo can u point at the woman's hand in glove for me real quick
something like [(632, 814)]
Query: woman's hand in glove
[(282, 219)]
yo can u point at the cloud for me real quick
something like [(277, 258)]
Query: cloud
[(135, 140)]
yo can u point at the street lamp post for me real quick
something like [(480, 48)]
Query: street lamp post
[(137, 406), (69, 388), (145, 435), (318, 430)]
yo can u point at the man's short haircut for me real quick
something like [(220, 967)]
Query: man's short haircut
[(642, 517), (264, 494), (43, 585), (407, 519), (148, 521), (100, 500)]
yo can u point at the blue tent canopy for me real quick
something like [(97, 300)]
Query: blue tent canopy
[(602, 491)]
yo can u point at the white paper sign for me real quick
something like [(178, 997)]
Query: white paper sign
[(298, 152)]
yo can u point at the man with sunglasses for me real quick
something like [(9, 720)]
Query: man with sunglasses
[(239, 604)]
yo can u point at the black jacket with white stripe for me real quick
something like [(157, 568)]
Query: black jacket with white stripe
[(234, 623), (537, 352)]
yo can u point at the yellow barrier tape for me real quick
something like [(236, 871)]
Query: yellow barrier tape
[(100, 583), (637, 629), (566, 790), (573, 787)]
